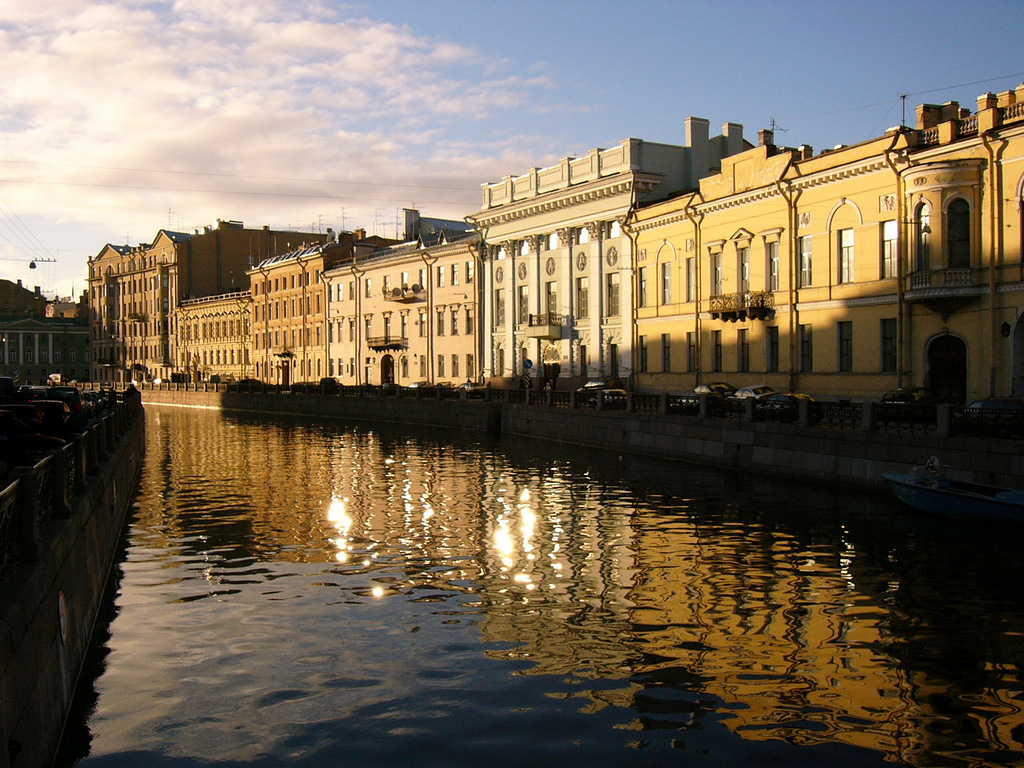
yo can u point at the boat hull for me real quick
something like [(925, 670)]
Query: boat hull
[(956, 499)]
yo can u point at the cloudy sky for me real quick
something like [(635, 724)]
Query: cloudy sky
[(122, 117)]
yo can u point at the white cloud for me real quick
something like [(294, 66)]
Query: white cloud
[(222, 92)]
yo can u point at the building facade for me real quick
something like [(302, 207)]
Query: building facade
[(213, 338), (134, 292), (558, 267), (410, 312), (36, 348), (892, 263)]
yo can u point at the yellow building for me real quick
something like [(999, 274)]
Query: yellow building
[(409, 312), (892, 263), (289, 309), (213, 337), (135, 290)]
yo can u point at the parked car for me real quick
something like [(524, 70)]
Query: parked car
[(611, 388), (1000, 416), (757, 393), (473, 389), (419, 385), (329, 385), (716, 389), (908, 396), (73, 397), (28, 392)]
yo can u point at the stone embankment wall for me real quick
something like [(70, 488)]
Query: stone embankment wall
[(855, 456), (60, 527)]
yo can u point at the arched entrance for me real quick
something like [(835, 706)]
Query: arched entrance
[(387, 370), (947, 369)]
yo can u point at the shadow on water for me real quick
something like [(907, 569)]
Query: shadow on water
[(307, 594)]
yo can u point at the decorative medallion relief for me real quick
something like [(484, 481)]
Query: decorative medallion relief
[(499, 274), (549, 267), (612, 257), (886, 203), (581, 261), (805, 220), (522, 271)]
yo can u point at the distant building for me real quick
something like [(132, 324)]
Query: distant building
[(134, 292), (18, 301), (67, 307), (33, 348), (213, 338)]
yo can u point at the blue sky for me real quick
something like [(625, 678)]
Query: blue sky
[(124, 117)]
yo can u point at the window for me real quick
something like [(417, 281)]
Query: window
[(845, 329), (523, 304), (440, 323), (469, 322), (613, 295), (716, 351), (642, 288), (582, 298), (455, 366), (440, 366), (742, 351), (771, 362), (499, 307), (691, 279), (369, 288), (469, 271), (691, 351), (923, 237), (455, 326), (806, 277), (455, 281), (806, 348), (405, 327), (422, 323), (666, 283), (367, 322), (551, 297), (469, 366), (643, 354), (845, 255), (743, 269), (716, 274), (773, 266), (889, 345), (889, 232), (958, 234), (666, 352), (440, 276)]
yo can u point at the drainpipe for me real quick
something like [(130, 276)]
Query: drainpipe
[(995, 254), (901, 216), (634, 314), (785, 188), (696, 218), (483, 297)]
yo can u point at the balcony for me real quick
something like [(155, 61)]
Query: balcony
[(944, 290), (733, 307), (547, 325), (406, 294), (385, 343)]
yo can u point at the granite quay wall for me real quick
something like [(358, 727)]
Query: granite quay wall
[(833, 442), (60, 525)]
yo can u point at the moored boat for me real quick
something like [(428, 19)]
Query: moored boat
[(928, 489)]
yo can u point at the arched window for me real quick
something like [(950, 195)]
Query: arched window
[(922, 246), (958, 234)]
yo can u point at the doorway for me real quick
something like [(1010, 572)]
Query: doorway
[(947, 369), (387, 370)]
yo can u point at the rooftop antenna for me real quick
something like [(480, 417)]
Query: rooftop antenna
[(903, 102), (775, 127)]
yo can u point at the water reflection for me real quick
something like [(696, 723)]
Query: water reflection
[(298, 593)]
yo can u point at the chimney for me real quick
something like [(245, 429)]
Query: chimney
[(765, 138), (733, 133), (697, 132)]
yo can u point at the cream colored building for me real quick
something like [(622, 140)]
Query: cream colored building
[(213, 338), (410, 312), (559, 269), (891, 263)]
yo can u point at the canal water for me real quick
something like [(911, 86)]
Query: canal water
[(314, 594)]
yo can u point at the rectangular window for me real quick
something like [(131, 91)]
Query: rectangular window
[(806, 276), (772, 349), (440, 366), (743, 269), (582, 298), (716, 274), (643, 354), (455, 366), (889, 356), (888, 268), (455, 281), (455, 326), (666, 352), (469, 271), (612, 305), (666, 283), (691, 351), (551, 297), (440, 276), (691, 279), (523, 304), (440, 323), (806, 348), (845, 329), (499, 307), (742, 351), (773, 266), (469, 322), (642, 288), (367, 322), (469, 366), (846, 256), (716, 351)]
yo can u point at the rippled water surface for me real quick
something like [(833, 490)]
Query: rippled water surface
[(310, 595)]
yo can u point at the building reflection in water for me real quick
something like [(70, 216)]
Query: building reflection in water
[(683, 595)]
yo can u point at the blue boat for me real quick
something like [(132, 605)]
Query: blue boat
[(928, 489)]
